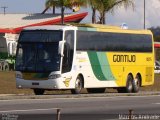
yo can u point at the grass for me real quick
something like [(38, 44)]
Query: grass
[(155, 87), (8, 85)]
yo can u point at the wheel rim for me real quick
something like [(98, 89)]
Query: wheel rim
[(130, 85), (78, 84), (137, 82)]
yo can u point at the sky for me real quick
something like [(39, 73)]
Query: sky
[(133, 18)]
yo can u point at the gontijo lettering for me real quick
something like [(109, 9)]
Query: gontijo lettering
[(124, 58)]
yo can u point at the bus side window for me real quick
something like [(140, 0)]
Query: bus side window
[(66, 58), (68, 51)]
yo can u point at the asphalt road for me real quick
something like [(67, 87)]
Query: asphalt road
[(93, 108)]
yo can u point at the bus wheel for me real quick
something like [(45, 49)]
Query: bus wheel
[(136, 84), (78, 86), (38, 91), (96, 90), (129, 84), (121, 90)]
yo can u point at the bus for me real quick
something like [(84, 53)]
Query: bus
[(74, 57)]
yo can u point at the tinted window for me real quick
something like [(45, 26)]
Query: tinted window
[(38, 57), (68, 51), (41, 36), (102, 41)]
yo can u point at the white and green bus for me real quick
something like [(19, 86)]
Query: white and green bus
[(94, 57)]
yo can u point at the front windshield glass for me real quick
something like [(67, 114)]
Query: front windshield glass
[(38, 57), (38, 51), (40, 36)]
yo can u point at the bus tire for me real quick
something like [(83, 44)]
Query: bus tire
[(38, 91), (121, 90), (78, 86), (96, 90), (136, 84), (129, 84)]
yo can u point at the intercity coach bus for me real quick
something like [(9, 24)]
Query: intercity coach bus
[(73, 57)]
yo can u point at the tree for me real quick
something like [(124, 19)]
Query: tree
[(50, 4), (94, 5), (65, 4), (105, 6)]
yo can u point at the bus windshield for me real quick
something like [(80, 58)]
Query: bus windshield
[(38, 56)]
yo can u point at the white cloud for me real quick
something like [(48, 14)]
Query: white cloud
[(154, 3), (134, 18), (153, 14)]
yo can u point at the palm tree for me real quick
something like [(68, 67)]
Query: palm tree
[(105, 6), (49, 4), (94, 5), (64, 3)]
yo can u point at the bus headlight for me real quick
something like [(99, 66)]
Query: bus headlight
[(54, 76), (18, 75)]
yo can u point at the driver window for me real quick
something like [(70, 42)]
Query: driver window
[(68, 51)]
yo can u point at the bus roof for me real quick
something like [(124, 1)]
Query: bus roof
[(107, 28), (89, 27), (97, 26), (51, 27)]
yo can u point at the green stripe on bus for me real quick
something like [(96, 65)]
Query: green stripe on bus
[(100, 66), (96, 66), (105, 67)]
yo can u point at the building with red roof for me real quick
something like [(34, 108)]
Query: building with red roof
[(12, 24)]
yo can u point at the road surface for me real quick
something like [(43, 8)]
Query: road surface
[(90, 108)]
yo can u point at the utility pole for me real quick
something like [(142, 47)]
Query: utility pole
[(62, 12), (144, 14), (4, 9)]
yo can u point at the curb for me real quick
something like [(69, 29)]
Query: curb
[(21, 96)]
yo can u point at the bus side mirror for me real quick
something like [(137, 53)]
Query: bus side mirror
[(61, 48)]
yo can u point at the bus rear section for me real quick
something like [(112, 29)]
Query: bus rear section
[(116, 58)]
